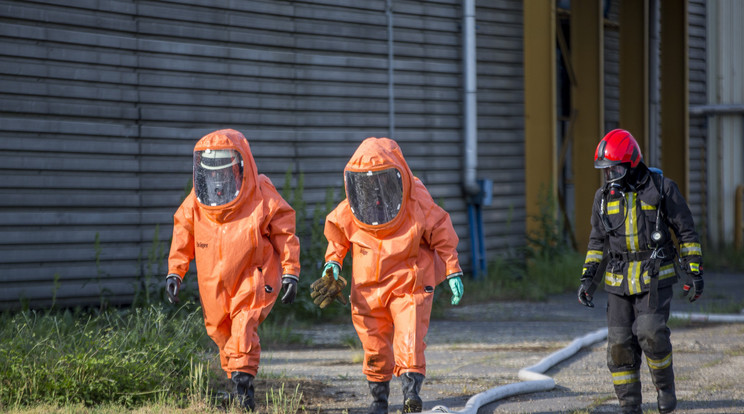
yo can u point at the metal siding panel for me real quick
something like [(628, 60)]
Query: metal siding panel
[(698, 195), (116, 93)]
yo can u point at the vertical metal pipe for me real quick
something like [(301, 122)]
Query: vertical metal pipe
[(391, 69), (470, 109), (738, 225), (654, 135)]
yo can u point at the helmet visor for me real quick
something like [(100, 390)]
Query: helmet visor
[(375, 197), (218, 175), (615, 172)]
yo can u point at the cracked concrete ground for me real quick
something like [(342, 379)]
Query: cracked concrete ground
[(474, 348)]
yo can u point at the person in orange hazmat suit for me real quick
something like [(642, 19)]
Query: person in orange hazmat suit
[(242, 234), (403, 245)]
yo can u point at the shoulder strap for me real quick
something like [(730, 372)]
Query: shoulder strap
[(658, 176)]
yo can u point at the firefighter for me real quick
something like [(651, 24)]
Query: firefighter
[(631, 246), (403, 245), (242, 234)]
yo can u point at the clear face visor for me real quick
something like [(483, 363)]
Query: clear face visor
[(615, 172), (218, 175), (375, 197)]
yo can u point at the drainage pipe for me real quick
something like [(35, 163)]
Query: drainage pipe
[(470, 109)]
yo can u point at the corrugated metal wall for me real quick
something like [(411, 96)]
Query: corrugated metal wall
[(612, 67), (698, 128), (103, 100)]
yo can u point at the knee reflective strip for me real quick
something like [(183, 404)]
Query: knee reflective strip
[(625, 377), (660, 363)]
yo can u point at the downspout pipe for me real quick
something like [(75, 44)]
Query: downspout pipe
[(470, 110), (391, 69), (470, 185), (654, 94)]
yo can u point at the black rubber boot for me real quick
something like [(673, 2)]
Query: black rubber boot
[(666, 399), (631, 409), (412, 382), (244, 390), (380, 392)]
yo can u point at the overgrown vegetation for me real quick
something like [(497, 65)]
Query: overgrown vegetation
[(152, 358), (546, 265), (88, 357)]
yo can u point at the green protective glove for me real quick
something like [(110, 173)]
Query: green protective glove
[(455, 284), (332, 267)]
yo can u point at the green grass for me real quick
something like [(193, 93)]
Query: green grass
[(123, 357), (149, 359)]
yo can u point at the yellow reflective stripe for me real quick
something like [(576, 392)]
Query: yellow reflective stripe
[(625, 377), (659, 363), (593, 256), (631, 225), (634, 274), (613, 279), (645, 206), (613, 207), (665, 272), (694, 267), (690, 249)]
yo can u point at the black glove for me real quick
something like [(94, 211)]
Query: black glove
[(584, 297), (172, 286), (696, 286), (289, 284)]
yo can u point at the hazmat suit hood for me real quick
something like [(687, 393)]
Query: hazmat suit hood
[(378, 184), (241, 168)]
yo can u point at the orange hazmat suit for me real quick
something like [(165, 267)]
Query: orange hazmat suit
[(242, 244), (400, 253)]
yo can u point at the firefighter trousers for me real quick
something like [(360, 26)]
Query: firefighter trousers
[(633, 327)]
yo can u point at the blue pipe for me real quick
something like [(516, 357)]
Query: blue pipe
[(477, 239)]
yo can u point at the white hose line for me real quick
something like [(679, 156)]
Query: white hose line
[(533, 378), (708, 317)]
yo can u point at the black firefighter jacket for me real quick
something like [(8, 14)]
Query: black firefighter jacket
[(628, 248)]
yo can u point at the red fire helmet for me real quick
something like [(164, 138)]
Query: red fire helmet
[(617, 147)]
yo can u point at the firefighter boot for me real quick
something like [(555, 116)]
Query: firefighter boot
[(666, 400), (629, 396), (380, 392), (244, 390), (631, 409), (412, 382)]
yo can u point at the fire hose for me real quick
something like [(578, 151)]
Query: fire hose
[(533, 379)]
